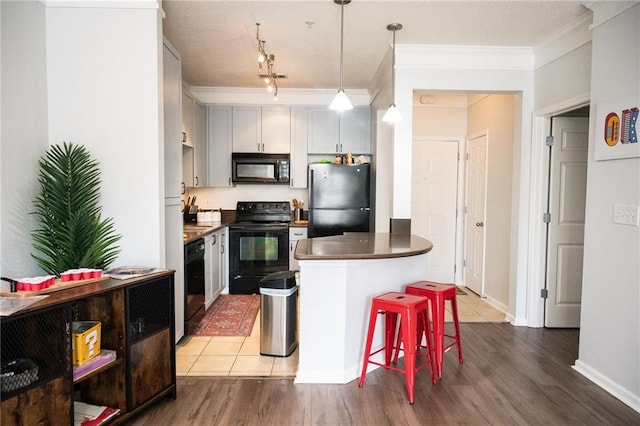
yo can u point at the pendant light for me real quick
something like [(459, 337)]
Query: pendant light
[(341, 101), (393, 115)]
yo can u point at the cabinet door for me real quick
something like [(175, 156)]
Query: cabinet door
[(216, 282), (219, 133), (246, 129), (276, 130), (199, 146), (224, 261), (355, 131), (41, 396), (210, 253), (295, 234), (323, 131), (298, 174), (187, 118), (187, 166), (172, 100), (149, 319)]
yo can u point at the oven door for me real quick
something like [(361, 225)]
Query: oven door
[(254, 252)]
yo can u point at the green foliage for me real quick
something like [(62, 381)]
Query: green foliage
[(71, 233)]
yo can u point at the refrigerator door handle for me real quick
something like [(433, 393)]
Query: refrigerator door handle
[(365, 208)]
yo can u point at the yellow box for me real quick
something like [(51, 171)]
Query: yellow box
[(85, 339)]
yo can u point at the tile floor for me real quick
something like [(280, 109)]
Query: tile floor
[(240, 356)]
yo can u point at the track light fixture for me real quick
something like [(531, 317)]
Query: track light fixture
[(265, 65), (393, 115), (341, 101)]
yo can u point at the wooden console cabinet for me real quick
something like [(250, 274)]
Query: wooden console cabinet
[(137, 322)]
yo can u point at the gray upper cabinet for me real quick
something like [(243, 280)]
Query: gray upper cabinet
[(261, 129), (355, 131), (330, 132), (219, 145), (299, 131), (199, 145)]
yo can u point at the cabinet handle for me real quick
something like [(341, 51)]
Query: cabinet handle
[(197, 181), (183, 187), (340, 147), (214, 240), (184, 137), (337, 148), (222, 249), (258, 146), (263, 147), (229, 181)]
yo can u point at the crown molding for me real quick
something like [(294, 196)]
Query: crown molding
[(259, 96), (464, 57), (569, 38), (102, 4)]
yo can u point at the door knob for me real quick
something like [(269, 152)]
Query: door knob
[(480, 224)]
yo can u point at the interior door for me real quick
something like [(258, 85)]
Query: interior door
[(565, 241), (434, 186), (476, 159)]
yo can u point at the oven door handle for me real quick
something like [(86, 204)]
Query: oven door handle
[(253, 228)]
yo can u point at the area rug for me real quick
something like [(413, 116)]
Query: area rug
[(229, 315)]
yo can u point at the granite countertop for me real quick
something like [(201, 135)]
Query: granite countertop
[(193, 231), (361, 245)]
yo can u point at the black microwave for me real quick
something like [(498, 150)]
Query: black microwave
[(249, 167)]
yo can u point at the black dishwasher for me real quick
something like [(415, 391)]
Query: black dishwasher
[(193, 283)]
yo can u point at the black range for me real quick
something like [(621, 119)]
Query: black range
[(258, 243)]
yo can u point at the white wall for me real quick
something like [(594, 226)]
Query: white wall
[(466, 70), (495, 113), (609, 351), (103, 69), (24, 130)]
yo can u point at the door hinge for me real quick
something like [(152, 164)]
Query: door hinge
[(549, 140), (546, 218), (464, 262), (544, 293)]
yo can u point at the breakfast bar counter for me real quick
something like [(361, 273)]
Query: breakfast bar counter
[(339, 276)]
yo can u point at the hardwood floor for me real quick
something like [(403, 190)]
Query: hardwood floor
[(511, 376)]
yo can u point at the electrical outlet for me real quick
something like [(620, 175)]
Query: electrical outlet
[(626, 214)]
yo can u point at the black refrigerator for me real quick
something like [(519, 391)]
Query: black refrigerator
[(339, 199)]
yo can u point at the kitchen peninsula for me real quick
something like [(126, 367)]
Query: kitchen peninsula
[(338, 277)]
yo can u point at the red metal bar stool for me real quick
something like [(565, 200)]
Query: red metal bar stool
[(438, 293), (407, 306)]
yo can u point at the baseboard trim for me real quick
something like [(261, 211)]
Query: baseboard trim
[(605, 383)]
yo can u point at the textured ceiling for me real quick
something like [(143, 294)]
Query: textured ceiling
[(217, 39)]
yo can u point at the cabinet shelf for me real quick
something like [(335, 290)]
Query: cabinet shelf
[(79, 375)]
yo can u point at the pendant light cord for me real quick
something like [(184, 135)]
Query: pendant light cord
[(393, 69), (341, 40)]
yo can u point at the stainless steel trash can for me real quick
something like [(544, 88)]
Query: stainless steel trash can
[(278, 314)]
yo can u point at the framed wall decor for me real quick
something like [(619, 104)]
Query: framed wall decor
[(616, 135)]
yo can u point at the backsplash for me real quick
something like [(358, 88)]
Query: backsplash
[(226, 198)]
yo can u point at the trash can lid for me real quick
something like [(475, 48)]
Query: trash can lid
[(279, 280)]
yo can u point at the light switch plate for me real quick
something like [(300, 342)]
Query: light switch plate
[(626, 214)]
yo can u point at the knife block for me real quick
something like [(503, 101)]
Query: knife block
[(190, 214)]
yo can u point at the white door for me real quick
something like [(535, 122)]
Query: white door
[(567, 193), (434, 185), (476, 163)]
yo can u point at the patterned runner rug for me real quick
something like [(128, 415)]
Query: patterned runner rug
[(229, 315)]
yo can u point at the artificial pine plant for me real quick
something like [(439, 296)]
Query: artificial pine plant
[(70, 232)]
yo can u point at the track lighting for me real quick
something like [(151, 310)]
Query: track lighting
[(265, 64)]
